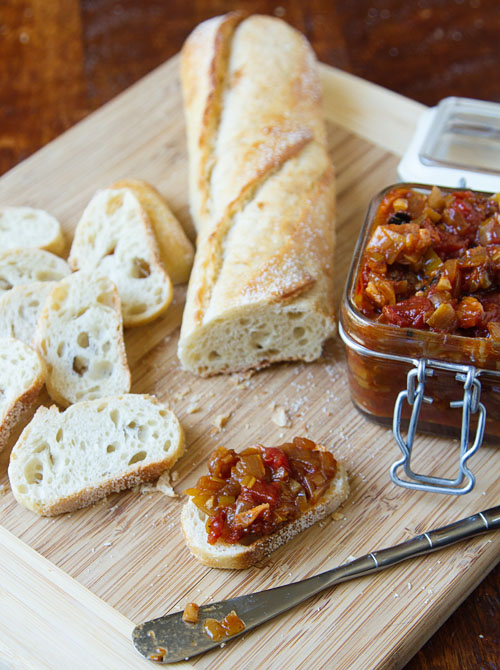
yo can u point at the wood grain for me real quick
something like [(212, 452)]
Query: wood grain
[(127, 549)]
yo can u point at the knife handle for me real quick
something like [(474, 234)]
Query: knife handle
[(421, 544)]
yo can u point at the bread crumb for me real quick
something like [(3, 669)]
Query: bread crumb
[(336, 516), (3, 489), (174, 475), (280, 417), (193, 407), (220, 421), (181, 394), (164, 486)]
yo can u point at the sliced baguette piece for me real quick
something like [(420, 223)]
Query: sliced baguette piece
[(114, 238), (22, 266), (23, 227), (20, 309), (22, 375), (238, 556), (67, 460), (176, 250), (80, 337)]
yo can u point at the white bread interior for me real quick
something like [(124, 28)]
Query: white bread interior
[(176, 250), (114, 238), (23, 227), (20, 309), (238, 556), (22, 266), (80, 337), (67, 460), (22, 375)]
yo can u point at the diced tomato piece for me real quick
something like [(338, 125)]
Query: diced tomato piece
[(275, 458), (411, 313)]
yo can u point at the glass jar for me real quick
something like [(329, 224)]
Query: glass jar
[(448, 384)]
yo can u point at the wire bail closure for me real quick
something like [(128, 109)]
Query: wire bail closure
[(470, 404), (414, 394)]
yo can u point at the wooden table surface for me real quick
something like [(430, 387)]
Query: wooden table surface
[(60, 60)]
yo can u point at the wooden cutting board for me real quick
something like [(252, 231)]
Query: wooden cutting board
[(72, 586)]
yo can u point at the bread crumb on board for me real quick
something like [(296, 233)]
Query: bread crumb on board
[(3, 489), (164, 485), (281, 418), (220, 421)]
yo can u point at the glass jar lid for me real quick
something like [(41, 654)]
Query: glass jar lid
[(456, 144)]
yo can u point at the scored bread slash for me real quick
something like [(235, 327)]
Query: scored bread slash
[(176, 250), (22, 266), (114, 238), (26, 227), (67, 460), (80, 337), (251, 503), (22, 375)]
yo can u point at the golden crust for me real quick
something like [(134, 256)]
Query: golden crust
[(19, 408), (176, 251), (204, 58), (89, 496), (266, 228)]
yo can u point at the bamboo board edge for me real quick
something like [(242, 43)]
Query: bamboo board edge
[(35, 586)]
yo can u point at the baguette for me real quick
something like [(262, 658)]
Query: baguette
[(20, 309), (262, 198), (67, 460), (176, 251), (21, 380), (114, 238), (80, 337), (22, 266), (239, 556), (22, 227)]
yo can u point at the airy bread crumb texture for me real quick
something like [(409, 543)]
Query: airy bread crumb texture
[(114, 238), (20, 309), (80, 337), (22, 266), (255, 338), (238, 556), (23, 227), (67, 460), (21, 379), (176, 250)]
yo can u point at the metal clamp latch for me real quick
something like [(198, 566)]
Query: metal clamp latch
[(470, 404), (421, 369)]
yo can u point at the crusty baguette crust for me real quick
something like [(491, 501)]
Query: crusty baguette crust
[(23, 403), (50, 420), (204, 62), (238, 556), (91, 495), (263, 198), (176, 250)]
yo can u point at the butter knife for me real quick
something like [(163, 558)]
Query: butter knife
[(169, 639)]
